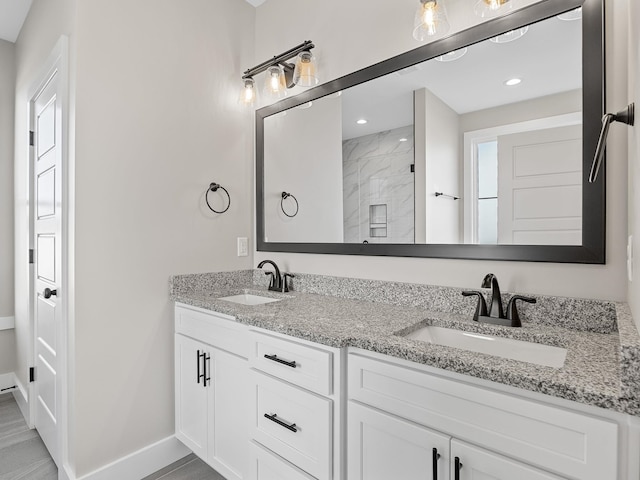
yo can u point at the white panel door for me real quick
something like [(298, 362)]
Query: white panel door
[(47, 228), (540, 187), (469, 462), (229, 421), (192, 394), (382, 446)]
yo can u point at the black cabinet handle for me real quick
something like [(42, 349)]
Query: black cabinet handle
[(48, 292), (274, 358), (207, 371), (198, 364), (434, 461), (457, 468), (274, 418)]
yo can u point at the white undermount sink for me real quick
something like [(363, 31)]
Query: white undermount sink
[(537, 353), (249, 299)]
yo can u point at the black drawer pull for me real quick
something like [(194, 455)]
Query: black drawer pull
[(274, 418), (275, 358), (434, 460), (457, 467)]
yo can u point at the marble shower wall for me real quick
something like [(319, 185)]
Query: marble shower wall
[(377, 171)]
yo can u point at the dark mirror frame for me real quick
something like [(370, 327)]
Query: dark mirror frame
[(592, 249)]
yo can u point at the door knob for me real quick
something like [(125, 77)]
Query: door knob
[(48, 292)]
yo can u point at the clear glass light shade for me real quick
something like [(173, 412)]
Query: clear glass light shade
[(306, 71), (492, 8), (430, 20), (275, 84), (510, 36), (248, 92), (571, 15), (452, 56)]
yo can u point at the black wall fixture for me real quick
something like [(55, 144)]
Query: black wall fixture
[(214, 187), (625, 116)]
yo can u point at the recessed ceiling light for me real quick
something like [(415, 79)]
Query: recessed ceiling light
[(362, 121), (402, 139), (512, 81)]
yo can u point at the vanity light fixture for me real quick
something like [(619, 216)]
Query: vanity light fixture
[(248, 92), (275, 84), (430, 20), (281, 74), (492, 8), (510, 36)]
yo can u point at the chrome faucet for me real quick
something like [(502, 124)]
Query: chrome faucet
[(495, 312), (278, 281)]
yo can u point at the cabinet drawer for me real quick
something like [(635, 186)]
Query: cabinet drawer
[(299, 427), (568, 443), (300, 364), (216, 329), (264, 465)]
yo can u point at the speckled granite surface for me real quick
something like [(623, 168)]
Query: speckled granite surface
[(603, 346)]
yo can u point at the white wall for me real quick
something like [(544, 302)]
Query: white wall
[(548, 106), (157, 121), (634, 153), (7, 90), (307, 164), (442, 168), (154, 98), (387, 32)]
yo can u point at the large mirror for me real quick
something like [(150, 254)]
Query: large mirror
[(474, 146)]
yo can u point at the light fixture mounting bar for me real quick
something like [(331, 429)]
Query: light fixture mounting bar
[(279, 59)]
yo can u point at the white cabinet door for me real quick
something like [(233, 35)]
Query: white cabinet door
[(191, 394), (382, 447), (472, 463), (229, 419)]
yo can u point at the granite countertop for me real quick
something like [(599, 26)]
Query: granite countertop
[(600, 367)]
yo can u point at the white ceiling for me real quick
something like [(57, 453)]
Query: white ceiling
[(547, 58), (12, 15)]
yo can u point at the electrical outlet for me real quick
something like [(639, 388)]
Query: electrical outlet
[(243, 247)]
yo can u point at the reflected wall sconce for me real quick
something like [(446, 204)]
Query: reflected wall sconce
[(430, 20), (281, 74), (625, 116), (510, 36), (492, 8)]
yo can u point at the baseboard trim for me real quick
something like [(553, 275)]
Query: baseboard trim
[(7, 323), (142, 463), (7, 380), (22, 399)]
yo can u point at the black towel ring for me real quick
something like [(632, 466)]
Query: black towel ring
[(284, 196), (213, 187)]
